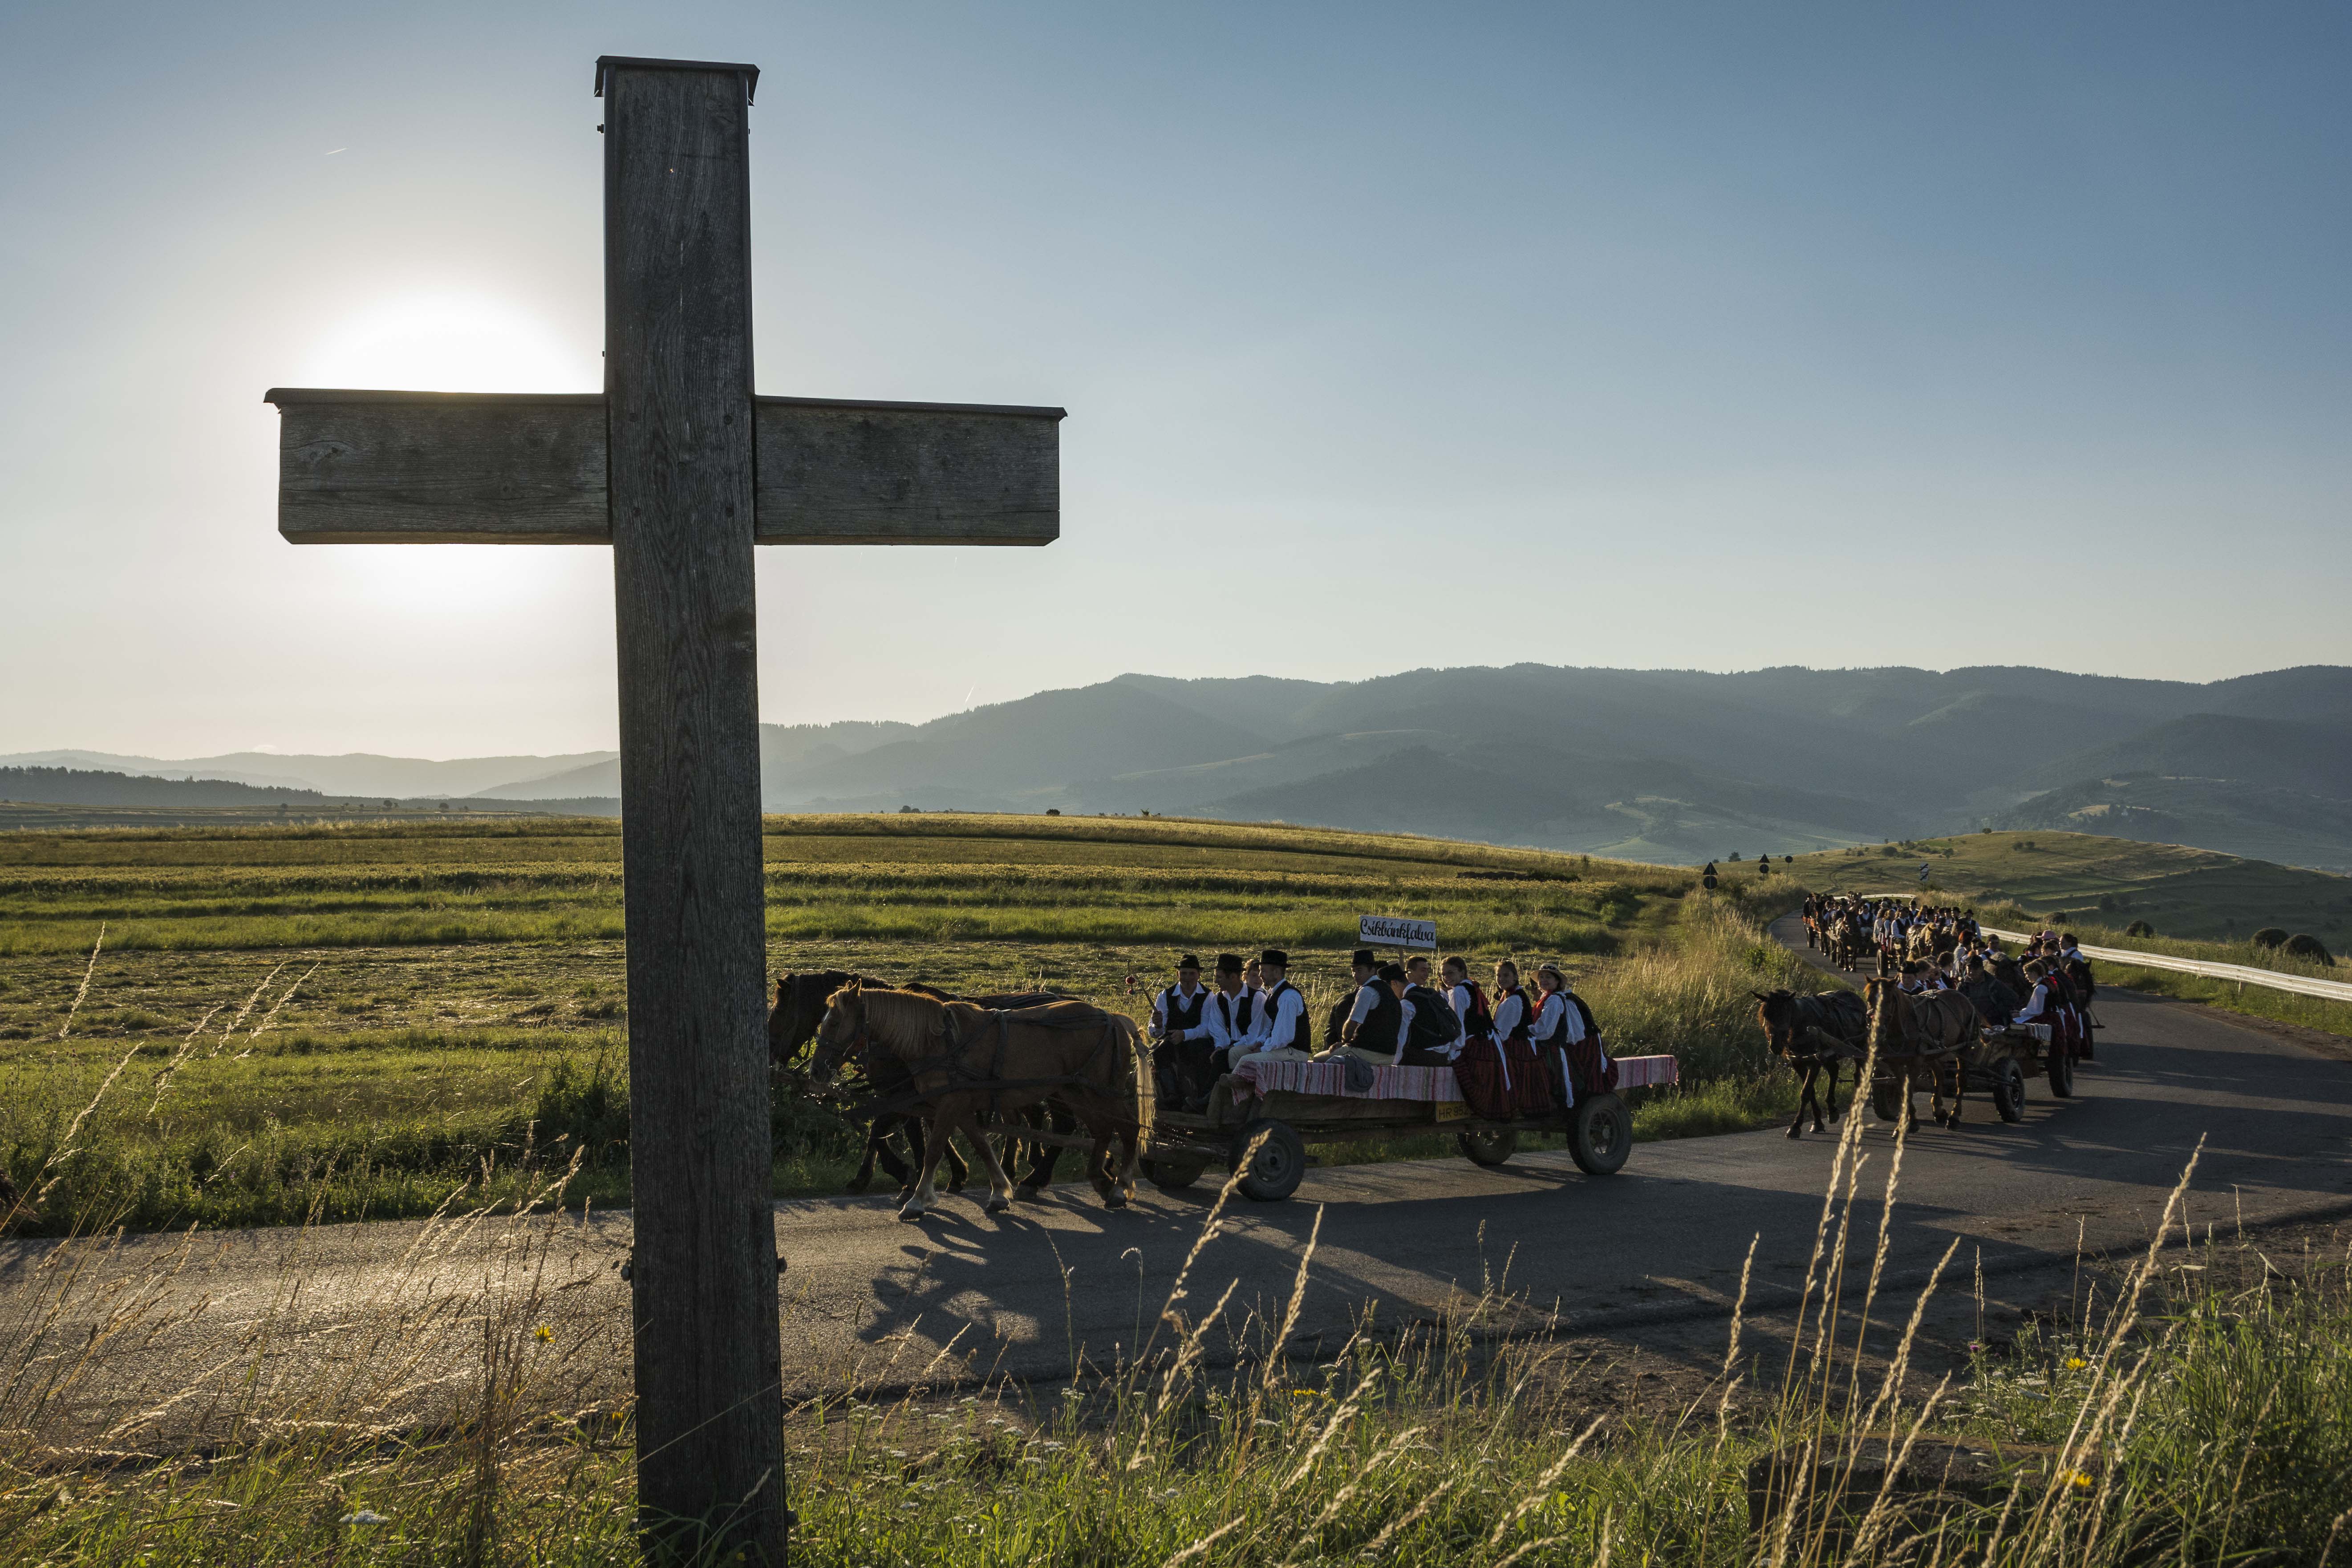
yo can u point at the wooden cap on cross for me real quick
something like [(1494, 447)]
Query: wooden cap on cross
[(682, 469)]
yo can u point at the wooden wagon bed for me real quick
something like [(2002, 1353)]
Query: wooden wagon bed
[(1261, 1117)]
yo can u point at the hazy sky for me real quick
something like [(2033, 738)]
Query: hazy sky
[(1636, 334)]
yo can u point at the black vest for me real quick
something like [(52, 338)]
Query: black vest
[(1235, 1011), (1522, 1029), (1377, 1032), (1302, 1038), (1177, 1014)]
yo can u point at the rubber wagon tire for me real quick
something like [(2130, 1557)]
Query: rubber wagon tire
[(1886, 1097), (1490, 1148), (1599, 1134), (2008, 1090), (2061, 1071), (1271, 1159), (1174, 1173)]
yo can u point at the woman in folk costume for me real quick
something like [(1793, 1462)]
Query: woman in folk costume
[(1495, 1068), (1478, 1067), (2048, 1005), (1530, 1080), (1571, 1054)]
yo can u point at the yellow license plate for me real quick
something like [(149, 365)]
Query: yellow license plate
[(1453, 1110)]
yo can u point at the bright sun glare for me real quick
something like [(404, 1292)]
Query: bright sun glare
[(450, 343), (456, 341)]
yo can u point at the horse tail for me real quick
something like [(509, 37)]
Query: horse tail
[(1135, 1084)]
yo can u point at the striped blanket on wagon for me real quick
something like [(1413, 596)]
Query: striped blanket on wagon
[(1255, 1076)]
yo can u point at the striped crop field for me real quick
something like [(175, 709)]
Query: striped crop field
[(359, 1021)]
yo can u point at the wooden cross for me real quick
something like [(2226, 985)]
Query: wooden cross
[(681, 470)]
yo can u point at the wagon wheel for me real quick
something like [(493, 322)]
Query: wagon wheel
[(1271, 1158), (1490, 1148), (1599, 1134), (1887, 1097), (2008, 1090), (1174, 1173), (2061, 1071)]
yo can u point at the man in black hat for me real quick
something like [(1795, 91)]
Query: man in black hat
[(1176, 1010), (1228, 1029), (1282, 1011), (1175, 1013), (1377, 1017)]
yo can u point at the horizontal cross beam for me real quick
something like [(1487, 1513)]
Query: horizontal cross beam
[(464, 468)]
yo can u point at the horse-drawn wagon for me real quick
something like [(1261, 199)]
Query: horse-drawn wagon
[(1262, 1117), (1940, 1039)]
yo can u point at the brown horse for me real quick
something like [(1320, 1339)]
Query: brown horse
[(1914, 1033), (800, 1008), (1813, 1033), (966, 1060)]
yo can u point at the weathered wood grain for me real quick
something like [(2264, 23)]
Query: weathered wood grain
[(430, 467), (907, 473), (677, 366)]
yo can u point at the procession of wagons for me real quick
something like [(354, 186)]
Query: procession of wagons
[(1039, 1073)]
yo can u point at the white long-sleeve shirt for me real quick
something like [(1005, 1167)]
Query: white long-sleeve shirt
[(2037, 1006), (1557, 1022), (1460, 996), (1219, 1020), (1508, 1010), (1277, 1022), (1159, 1006)]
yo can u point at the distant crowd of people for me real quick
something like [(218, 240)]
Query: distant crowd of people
[(1390, 1015)]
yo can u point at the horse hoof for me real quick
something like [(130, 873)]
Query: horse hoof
[(913, 1215), (995, 1205), (1114, 1200), (1796, 1133)]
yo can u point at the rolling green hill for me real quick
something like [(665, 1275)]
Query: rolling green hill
[(1661, 764)]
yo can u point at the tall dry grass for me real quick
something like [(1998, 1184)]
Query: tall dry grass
[(2176, 1424)]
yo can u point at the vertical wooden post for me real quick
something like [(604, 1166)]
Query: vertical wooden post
[(677, 376)]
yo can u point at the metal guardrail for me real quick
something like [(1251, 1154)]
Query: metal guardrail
[(2244, 974)]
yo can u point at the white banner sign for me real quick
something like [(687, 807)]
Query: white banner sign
[(1384, 931)]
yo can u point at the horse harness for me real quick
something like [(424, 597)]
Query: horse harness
[(952, 1060)]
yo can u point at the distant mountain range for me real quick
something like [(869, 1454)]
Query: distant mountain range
[(1674, 765)]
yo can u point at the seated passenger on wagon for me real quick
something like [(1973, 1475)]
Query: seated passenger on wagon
[(2042, 1006), (1512, 1013), (1282, 1030), (1175, 1013), (1206, 1051), (1363, 965), (1378, 1018), (1470, 1006), (1564, 1042)]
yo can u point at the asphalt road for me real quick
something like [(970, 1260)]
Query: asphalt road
[(392, 1315)]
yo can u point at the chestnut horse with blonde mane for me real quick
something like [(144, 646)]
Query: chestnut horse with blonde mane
[(965, 1062)]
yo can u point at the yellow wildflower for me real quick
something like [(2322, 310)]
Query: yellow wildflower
[(543, 1334)]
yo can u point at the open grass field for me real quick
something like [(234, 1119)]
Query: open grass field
[(2194, 893), (344, 1020)]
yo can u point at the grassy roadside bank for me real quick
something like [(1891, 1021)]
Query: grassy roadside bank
[(2197, 1409)]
